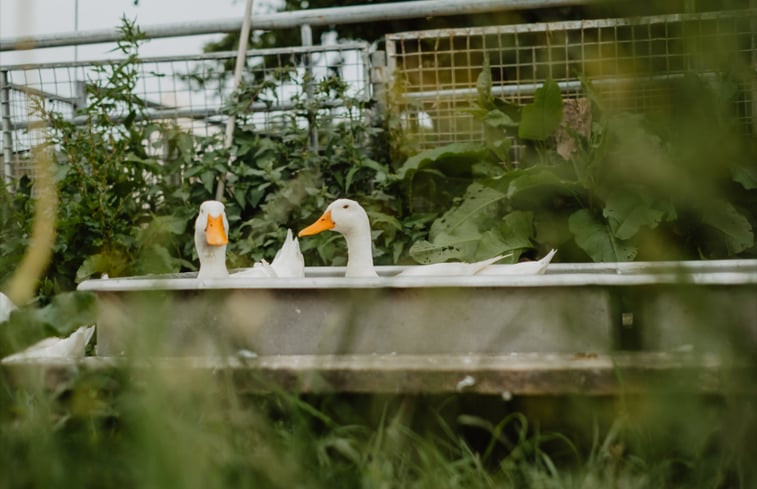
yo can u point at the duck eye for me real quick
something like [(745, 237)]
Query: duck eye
[(346, 206)]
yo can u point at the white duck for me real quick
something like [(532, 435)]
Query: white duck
[(211, 238), (349, 218)]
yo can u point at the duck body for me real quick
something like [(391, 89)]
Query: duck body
[(73, 346), (449, 269), (350, 219), (6, 307), (537, 267), (288, 262), (211, 238)]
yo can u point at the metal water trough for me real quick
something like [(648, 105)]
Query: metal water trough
[(708, 306)]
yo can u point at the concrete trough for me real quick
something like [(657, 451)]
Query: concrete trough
[(573, 308)]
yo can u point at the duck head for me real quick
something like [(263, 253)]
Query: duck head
[(211, 238), (347, 217)]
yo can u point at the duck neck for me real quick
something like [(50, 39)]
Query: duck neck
[(360, 254), (212, 260)]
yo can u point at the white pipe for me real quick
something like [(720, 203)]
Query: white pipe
[(286, 20), (244, 35)]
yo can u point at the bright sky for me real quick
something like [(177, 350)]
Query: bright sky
[(30, 17)]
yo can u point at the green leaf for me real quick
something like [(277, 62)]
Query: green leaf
[(498, 119), (156, 259), (113, 264), (472, 241), (542, 117), (724, 217), (532, 178), (632, 208), (476, 202), (425, 252), (746, 176), (208, 179), (597, 240), (451, 159), (512, 235), (501, 148), (350, 175)]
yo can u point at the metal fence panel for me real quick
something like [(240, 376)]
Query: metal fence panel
[(190, 91), (630, 63)]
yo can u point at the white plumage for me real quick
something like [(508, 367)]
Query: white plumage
[(72, 346), (350, 219)]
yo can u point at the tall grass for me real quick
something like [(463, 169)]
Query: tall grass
[(151, 427)]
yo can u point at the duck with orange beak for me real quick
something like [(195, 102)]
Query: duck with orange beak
[(347, 217), (211, 238), (350, 219)]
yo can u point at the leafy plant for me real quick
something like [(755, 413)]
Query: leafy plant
[(625, 193)]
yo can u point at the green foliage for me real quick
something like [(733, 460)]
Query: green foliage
[(130, 188), (64, 314), (626, 193), (128, 426), (542, 117)]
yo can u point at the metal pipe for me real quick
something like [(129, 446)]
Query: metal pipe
[(341, 46), (306, 37), (196, 114), (287, 20), (244, 36), (5, 114)]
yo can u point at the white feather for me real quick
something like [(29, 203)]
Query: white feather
[(72, 346), (523, 268), (6, 307)]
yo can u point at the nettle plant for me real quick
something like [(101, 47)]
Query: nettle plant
[(130, 188), (622, 187), (114, 192)]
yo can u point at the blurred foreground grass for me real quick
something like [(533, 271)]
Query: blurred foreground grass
[(130, 427)]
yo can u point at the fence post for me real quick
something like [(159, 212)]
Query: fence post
[(80, 95), (379, 82), (5, 114), (306, 34), (753, 68)]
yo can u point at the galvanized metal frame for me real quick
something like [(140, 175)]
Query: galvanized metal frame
[(60, 84), (435, 71), (288, 20)]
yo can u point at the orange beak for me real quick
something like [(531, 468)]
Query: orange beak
[(214, 231), (322, 224)]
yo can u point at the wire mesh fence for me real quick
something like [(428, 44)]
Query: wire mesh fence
[(630, 64), (190, 91)]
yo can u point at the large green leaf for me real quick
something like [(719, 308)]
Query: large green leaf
[(724, 217), (114, 264), (452, 159), (475, 230), (457, 247), (470, 242), (746, 176), (542, 117), (597, 240), (630, 209), (531, 178), (474, 206)]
